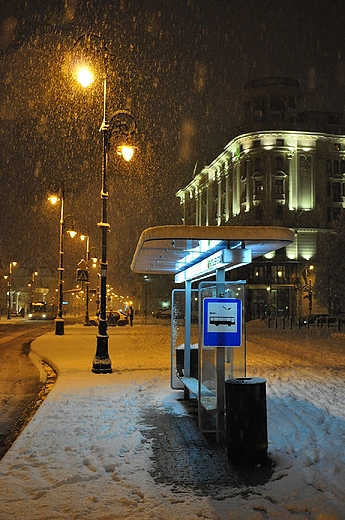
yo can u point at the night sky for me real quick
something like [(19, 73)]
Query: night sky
[(179, 66)]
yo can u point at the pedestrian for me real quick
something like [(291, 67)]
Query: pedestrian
[(131, 315)]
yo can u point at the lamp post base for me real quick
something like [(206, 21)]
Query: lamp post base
[(101, 361), (59, 326)]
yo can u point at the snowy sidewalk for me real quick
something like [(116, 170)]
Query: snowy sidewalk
[(90, 450)]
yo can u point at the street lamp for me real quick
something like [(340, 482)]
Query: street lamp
[(122, 128), (87, 283), (57, 193), (307, 287), (31, 285), (9, 290)]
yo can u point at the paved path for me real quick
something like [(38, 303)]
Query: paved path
[(20, 383)]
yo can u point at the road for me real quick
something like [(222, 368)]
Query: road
[(20, 385)]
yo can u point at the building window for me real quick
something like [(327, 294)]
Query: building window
[(329, 188), (258, 164), (279, 142), (329, 166), (279, 212), (336, 213), (279, 163), (333, 214), (258, 187), (342, 166), (223, 205), (257, 143), (278, 185), (215, 207), (243, 191), (278, 273), (336, 146), (337, 191), (258, 213), (336, 166)]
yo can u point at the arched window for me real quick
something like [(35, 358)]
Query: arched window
[(278, 188), (258, 186)]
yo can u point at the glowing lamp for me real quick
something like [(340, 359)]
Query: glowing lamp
[(53, 199), (126, 151), (84, 76)]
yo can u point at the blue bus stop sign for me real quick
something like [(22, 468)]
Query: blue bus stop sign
[(222, 326)]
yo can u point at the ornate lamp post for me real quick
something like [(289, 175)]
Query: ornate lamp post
[(120, 128), (87, 283), (57, 192), (32, 286), (9, 290)]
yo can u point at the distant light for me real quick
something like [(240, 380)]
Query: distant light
[(72, 233)]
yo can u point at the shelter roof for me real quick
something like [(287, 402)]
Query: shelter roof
[(173, 249)]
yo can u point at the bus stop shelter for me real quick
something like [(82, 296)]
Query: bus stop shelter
[(194, 254)]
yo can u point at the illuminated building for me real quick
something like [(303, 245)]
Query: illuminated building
[(285, 167)]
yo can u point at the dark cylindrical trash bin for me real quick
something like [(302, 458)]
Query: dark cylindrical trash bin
[(59, 326), (246, 419)]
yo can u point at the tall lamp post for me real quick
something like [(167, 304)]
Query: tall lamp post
[(122, 128), (9, 290), (32, 287), (87, 283), (57, 193)]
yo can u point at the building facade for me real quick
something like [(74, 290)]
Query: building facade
[(285, 167)]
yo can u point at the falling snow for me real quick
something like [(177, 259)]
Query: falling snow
[(179, 66)]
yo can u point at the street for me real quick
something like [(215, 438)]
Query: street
[(20, 384)]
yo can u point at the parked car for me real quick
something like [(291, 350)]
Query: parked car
[(114, 318), (117, 318), (157, 313), (165, 315)]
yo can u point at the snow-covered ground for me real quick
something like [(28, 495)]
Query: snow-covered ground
[(84, 454)]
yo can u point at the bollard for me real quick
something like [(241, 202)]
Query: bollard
[(246, 420)]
